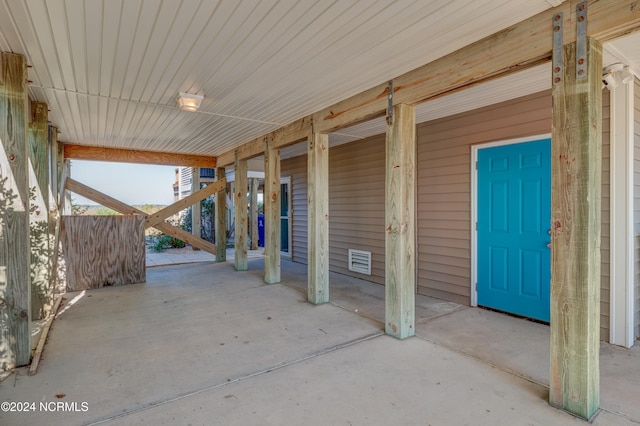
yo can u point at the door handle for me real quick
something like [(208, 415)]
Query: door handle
[(549, 245)]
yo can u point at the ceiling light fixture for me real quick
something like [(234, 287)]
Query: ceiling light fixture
[(189, 102)]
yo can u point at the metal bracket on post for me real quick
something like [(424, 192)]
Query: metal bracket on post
[(581, 41), (557, 52), (390, 104)]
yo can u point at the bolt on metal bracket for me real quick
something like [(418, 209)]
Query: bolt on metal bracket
[(390, 103), (581, 41), (557, 52)]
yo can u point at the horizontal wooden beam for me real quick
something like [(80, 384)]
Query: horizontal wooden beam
[(288, 135), (229, 157), (180, 205), (523, 45), (120, 207), (518, 47), (292, 133), (249, 150), (96, 153)]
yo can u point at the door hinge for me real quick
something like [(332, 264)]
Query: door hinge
[(476, 165), (476, 226)]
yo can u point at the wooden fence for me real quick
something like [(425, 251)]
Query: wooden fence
[(103, 250)]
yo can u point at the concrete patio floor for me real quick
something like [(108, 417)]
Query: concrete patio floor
[(203, 344), (179, 256)]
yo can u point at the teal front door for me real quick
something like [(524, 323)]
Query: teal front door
[(514, 208)]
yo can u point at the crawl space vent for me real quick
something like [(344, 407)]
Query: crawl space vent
[(360, 261)]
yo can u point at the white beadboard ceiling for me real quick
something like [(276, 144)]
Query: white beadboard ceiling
[(625, 50), (110, 70)]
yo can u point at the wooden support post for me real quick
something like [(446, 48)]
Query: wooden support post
[(318, 216), (53, 172), (196, 209), (54, 212), (271, 213), (221, 218), (241, 228), (65, 202), (575, 251), (58, 275), (58, 190), (15, 282), (254, 182), (41, 290), (400, 258)]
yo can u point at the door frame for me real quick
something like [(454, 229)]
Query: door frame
[(474, 202), (286, 180)]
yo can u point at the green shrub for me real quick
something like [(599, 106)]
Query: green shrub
[(174, 242), (164, 242)]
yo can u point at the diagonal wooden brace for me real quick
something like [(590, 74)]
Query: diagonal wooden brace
[(120, 207), (179, 205)]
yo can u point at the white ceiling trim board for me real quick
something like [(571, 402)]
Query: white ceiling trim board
[(613, 55)]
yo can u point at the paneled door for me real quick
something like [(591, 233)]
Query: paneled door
[(514, 210)]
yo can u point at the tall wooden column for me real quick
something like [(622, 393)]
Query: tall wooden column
[(253, 184), (400, 258), (41, 290), (53, 172), (15, 281), (575, 252), (54, 208), (58, 190), (241, 230), (221, 219), (66, 194), (271, 214), (318, 217), (196, 210)]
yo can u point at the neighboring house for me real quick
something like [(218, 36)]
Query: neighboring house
[(176, 186), (184, 176), (183, 187)]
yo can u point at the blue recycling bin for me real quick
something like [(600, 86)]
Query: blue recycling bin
[(261, 230)]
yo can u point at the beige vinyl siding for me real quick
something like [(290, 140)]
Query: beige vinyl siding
[(605, 229), (356, 196), (356, 205), (444, 187), (636, 139), (296, 168)]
